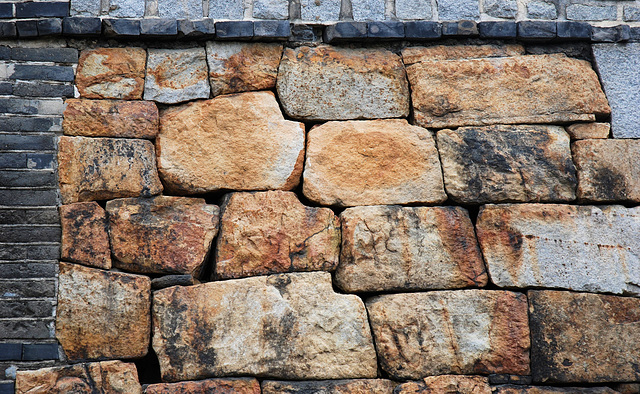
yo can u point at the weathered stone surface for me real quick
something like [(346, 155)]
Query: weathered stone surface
[(581, 337), (239, 67), (270, 9), (372, 163), (395, 248), (608, 170), (102, 314), (507, 163), (507, 9), (84, 235), (209, 386), (459, 332), (238, 142), (446, 384), (582, 248), (350, 386), (517, 389), (586, 12), (89, 378), (414, 55), (227, 9), (176, 75), (510, 90), (542, 10), (618, 66), (271, 232), (116, 73), (104, 168), (162, 234), (287, 326), (330, 83), (320, 10), (456, 10), (180, 9), (413, 9), (368, 10), (111, 118), (584, 131), (173, 280)]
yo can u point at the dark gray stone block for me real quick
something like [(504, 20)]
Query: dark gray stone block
[(634, 33), (6, 10), (27, 178), (27, 28), (18, 106), (422, 30), (536, 30), (26, 234), (26, 329), (610, 34), (24, 123), (27, 142), (8, 30), (28, 216), (26, 270), (39, 9), (390, 29), (40, 351), (40, 161), (6, 88), (301, 32), (40, 72), (121, 27), (27, 289), (13, 160), (203, 28), (21, 252), (345, 31), (40, 89), (22, 308), (50, 27), (574, 30), (10, 351), (497, 29), (58, 55), (79, 26), (159, 27), (28, 198), (271, 30), (5, 52), (234, 30), (7, 388)]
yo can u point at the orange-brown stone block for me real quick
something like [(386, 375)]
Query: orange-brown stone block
[(209, 386), (116, 73), (446, 384), (347, 386), (412, 55), (583, 131), (84, 234)]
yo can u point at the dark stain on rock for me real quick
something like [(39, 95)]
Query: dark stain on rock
[(608, 184)]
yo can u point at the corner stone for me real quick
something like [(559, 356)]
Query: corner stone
[(84, 235), (176, 75)]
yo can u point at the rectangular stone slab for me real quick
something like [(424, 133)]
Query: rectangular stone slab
[(580, 337), (581, 248), (345, 386), (508, 90), (287, 326), (457, 332)]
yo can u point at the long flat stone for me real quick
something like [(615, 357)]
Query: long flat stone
[(507, 163), (394, 248), (458, 384), (345, 386), (331, 83), (412, 55), (581, 248), (214, 386), (451, 332), (520, 389), (508, 90), (286, 326)]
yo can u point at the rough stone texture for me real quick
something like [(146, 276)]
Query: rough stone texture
[(110, 118), (173, 280), (208, 386), (101, 377), (320, 10), (368, 10), (507, 163), (584, 12), (226, 9), (631, 13), (240, 67), (181, 9), (395, 248), (580, 337), (351, 386), (458, 332), (542, 10), (287, 326), (270, 232), (412, 55), (507, 9), (618, 67), (581, 248), (413, 9), (102, 314), (170, 235), (608, 170), (446, 384), (176, 75), (516, 389), (84, 235), (372, 163), (511, 90), (104, 168), (584, 131), (330, 83), (116, 73), (456, 10), (270, 9), (84, 8), (126, 8), (239, 142)]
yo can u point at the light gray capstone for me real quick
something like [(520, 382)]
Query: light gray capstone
[(541, 10), (631, 13), (584, 12), (618, 68), (320, 10), (368, 10), (126, 8), (501, 8), (455, 10), (270, 9), (226, 9), (176, 75), (180, 9), (84, 8), (413, 9)]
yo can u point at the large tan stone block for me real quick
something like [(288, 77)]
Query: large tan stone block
[(84, 235), (111, 73)]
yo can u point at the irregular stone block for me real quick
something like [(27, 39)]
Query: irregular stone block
[(507, 9), (511, 90), (240, 67), (102, 314), (393, 248), (320, 10), (203, 28), (413, 9), (584, 131), (618, 65), (608, 170), (372, 163), (446, 384), (287, 326), (121, 27), (350, 386), (497, 29), (517, 389), (211, 386), (162, 234), (507, 163), (100, 377), (238, 142), (580, 337), (104, 168), (110, 118), (116, 73), (329, 83), (84, 235), (450, 332), (270, 232), (455, 10), (414, 55), (176, 75), (617, 33), (537, 245)]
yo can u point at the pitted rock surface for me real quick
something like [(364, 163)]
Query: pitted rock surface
[(446, 384), (84, 235), (208, 386), (580, 248), (395, 248), (412, 55), (270, 232), (176, 75), (111, 73)]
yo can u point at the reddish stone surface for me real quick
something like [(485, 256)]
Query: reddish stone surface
[(84, 235), (116, 73), (209, 386)]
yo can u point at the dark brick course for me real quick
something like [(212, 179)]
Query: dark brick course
[(345, 31), (58, 55), (29, 252), (27, 28), (197, 29), (25, 308), (497, 29), (121, 27), (276, 30), (42, 9), (234, 30), (8, 30), (40, 89), (27, 141), (39, 72), (25, 329), (27, 288), (25, 123), (6, 10), (422, 30), (159, 27), (79, 26), (27, 178), (22, 197), (29, 216), (28, 270), (39, 351), (27, 234), (10, 351), (385, 29), (49, 27)]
